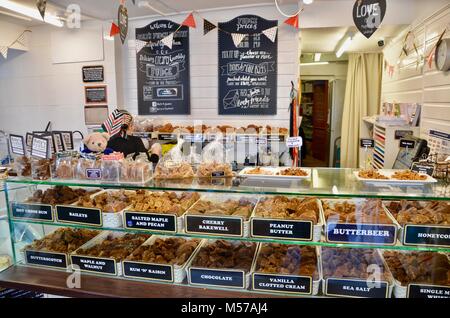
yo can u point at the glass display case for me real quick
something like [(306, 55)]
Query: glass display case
[(326, 234)]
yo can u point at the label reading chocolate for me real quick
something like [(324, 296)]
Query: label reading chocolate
[(426, 235), (74, 214), (216, 174), (200, 276), (428, 291), (150, 221), (356, 288), (283, 283), (93, 173), (167, 137), (147, 271), (47, 259), (361, 233), (214, 225), (300, 230), (28, 211), (94, 264)]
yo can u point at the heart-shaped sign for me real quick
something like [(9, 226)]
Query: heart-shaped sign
[(123, 22), (368, 15)]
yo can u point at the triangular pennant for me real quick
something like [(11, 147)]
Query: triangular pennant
[(41, 5), (292, 21), (207, 26), (114, 29), (140, 45), (134, 2), (168, 40), (4, 51), (271, 33), (430, 57), (238, 38), (122, 18), (189, 21), (21, 39)]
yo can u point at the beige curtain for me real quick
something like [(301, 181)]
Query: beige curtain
[(362, 98)]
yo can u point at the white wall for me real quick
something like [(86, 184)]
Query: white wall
[(422, 84), (328, 71), (204, 68), (34, 91)]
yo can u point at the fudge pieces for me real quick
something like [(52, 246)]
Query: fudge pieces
[(59, 195), (431, 212), (108, 201), (214, 169), (370, 211), (288, 208), (242, 207), (163, 202), (63, 240)]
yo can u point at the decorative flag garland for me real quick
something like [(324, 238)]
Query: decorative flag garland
[(114, 30), (293, 21), (238, 38), (207, 26), (271, 33), (41, 5), (433, 49), (20, 39), (168, 40), (189, 21)]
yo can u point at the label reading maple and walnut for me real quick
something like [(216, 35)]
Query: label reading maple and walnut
[(94, 264), (47, 259), (426, 235), (428, 291), (356, 288), (361, 233), (150, 221), (78, 215), (300, 230), (28, 211), (210, 277), (226, 226), (148, 271), (282, 283)]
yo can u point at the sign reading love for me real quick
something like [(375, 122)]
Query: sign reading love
[(368, 15)]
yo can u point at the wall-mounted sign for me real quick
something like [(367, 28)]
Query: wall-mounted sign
[(93, 74), (162, 72), (96, 94), (248, 72), (368, 15)]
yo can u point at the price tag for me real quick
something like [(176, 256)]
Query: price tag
[(367, 143), (40, 147), (17, 144), (406, 143), (58, 141), (67, 137), (423, 168), (294, 142)]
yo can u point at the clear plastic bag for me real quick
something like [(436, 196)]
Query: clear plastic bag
[(214, 160), (66, 163), (135, 171), (22, 166), (174, 164), (86, 168)]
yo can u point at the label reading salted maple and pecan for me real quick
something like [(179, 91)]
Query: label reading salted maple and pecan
[(150, 221)]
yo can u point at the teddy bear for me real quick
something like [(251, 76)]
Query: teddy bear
[(97, 142)]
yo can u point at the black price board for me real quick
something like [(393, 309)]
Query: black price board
[(368, 15), (406, 143), (423, 168), (428, 235), (427, 291), (46, 259), (17, 144), (248, 72), (163, 72), (93, 74), (148, 271), (356, 288), (288, 229), (361, 233), (365, 142), (150, 221), (168, 137), (29, 211), (216, 277), (283, 283), (226, 226), (78, 215), (95, 264), (96, 94)]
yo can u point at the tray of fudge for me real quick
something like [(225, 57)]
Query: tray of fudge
[(284, 268), (421, 222), (360, 221), (355, 272), (53, 249), (393, 176), (215, 214), (161, 259), (275, 173), (287, 217), (419, 274), (105, 253), (158, 211), (222, 263)]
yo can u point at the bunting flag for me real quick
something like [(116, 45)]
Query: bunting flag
[(140, 45), (114, 30), (207, 26), (4, 51), (271, 33), (134, 2), (189, 21), (41, 5), (21, 39), (238, 38), (168, 40), (292, 21), (431, 57)]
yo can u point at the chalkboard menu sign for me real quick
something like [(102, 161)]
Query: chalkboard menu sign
[(93, 74), (96, 94), (163, 72), (248, 72)]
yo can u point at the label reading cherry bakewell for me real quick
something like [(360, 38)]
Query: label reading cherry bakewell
[(227, 226), (283, 283), (148, 271), (46, 259), (361, 233), (95, 264), (210, 277), (299, 230), (78, 215), (427, 291), (426, 235), (356, 288), (42, 212), (150, 221)]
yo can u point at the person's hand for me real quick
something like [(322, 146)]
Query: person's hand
[(156, 149)]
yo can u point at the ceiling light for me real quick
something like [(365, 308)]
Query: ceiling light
[(317, 57), (308, 1), (314, 63), (344, 47), (31, 12)]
